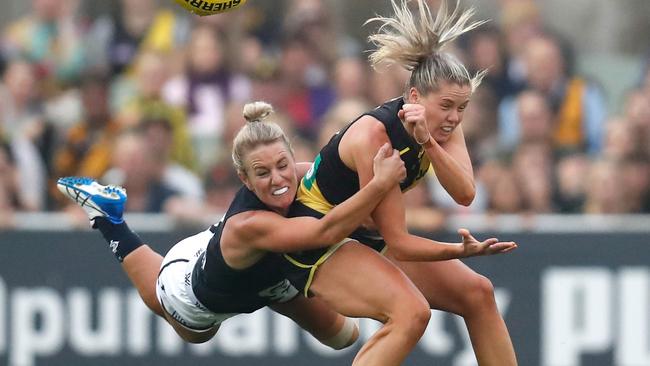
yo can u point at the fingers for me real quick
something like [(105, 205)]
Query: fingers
[(400, 114), (384, 151), (502, 247), (463, 232)]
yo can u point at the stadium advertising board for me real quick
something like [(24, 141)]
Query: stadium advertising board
[(568, 299)]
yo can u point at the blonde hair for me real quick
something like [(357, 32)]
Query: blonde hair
[(416, 44), (256, 132)]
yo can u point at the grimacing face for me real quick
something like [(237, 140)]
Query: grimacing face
[(271, 175), (444, 108)]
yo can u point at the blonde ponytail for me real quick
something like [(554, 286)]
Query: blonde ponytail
[(416, 44)]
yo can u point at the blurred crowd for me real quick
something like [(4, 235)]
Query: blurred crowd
[(150, 97)]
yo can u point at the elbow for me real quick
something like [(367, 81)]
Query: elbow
[(398, 254), (466, 198), (397, 250)]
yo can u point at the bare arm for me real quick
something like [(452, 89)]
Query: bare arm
[(390, 213), (450, 160), (453, 167), (270, 231)]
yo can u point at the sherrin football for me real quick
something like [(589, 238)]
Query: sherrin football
[(210, 7)]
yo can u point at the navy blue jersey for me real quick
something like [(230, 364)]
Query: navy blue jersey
[(223, 289)]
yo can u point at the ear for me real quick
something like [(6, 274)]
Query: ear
[(413, 95), (244, 179)]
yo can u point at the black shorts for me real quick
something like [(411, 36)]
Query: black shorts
[(303, 264)]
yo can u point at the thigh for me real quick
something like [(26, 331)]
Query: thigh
[(359, 282), (444, 284), (311, 314)]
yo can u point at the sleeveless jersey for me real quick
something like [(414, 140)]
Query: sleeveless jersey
[(330, 182), (223, 289)]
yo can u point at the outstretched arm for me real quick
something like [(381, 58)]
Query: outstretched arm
[(272, 232), (390, 213)]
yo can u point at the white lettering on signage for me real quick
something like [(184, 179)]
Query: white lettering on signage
[(31, 338), (245, 335), (3, 317), (138, 325), (105, 338), (633, 344), (285, 341), (585, 311)]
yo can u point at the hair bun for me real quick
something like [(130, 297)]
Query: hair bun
[(257, 111)]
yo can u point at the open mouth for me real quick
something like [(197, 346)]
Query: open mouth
[(281, 191), (447, 129)]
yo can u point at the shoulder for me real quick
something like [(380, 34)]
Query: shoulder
[(368, 130), (249, 223)]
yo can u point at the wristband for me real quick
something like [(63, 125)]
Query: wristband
[(427, 144)]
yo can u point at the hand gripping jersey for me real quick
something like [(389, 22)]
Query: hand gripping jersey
[(223, 289), (329, 182)]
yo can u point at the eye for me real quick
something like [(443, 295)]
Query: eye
[(261, 173)]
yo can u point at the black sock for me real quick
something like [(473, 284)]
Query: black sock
[(119, 237)]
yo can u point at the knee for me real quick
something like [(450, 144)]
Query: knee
[(413, 317), (479, 295)]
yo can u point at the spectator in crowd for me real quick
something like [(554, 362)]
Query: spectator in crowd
[(604, 190), (221, 185), (577, 103), (339, 116), (571, 185), (9, 195), (87, 147), (50, 37), (305, 91), (204, 89), (534, 121), (636, 182), (532, 165), (115, 41), (350, 79), (135, 167), (24, 128), (621, 141), (520, 21), (311, 20), (637, 112), (158, 135), (503, 191), (165, 65), (145, 101), (486, 51)]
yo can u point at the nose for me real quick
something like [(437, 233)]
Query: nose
[(454, 116), (276, 177)]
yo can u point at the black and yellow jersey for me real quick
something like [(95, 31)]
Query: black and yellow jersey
[(330, 182)]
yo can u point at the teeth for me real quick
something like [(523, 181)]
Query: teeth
[(447, 129), (280, 191)]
